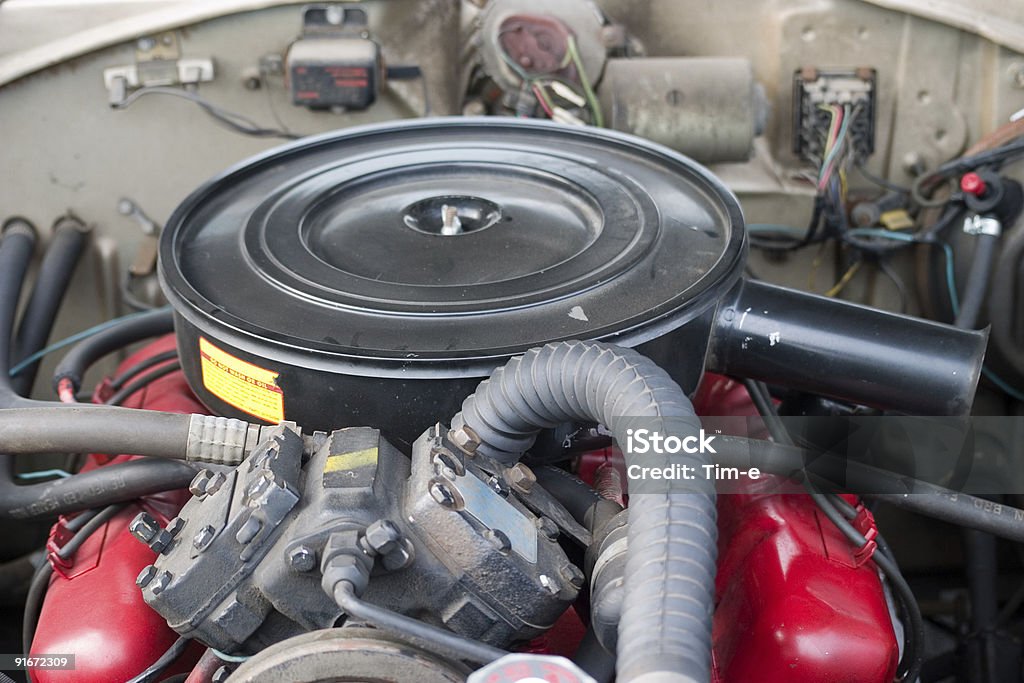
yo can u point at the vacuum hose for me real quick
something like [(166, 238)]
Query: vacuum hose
[(665, 629)]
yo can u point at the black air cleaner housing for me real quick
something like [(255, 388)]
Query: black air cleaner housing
[(374, 276)]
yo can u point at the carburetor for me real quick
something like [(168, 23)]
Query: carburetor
[(454, 540)]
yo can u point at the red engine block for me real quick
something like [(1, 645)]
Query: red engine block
[(793, 602)]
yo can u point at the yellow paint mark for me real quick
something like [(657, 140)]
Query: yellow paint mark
[(350, 461)]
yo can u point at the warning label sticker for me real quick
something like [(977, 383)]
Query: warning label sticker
[(248, 387)]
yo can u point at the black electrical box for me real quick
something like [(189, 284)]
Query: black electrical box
[(335, 64)]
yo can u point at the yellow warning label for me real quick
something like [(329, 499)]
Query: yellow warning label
[(248, 387)]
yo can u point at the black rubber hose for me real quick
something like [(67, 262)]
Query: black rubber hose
[(17, 243), (665, 627), (420, 633), (62, 255), (122, 394), (594, 659), (144, 326), (982, 569), (1004, 304), (134, 371), (154, 670), (898, 490), (572, 492), (973, 298), (94, 429), (95, 488)]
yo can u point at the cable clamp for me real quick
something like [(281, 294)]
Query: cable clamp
[(982, 225)]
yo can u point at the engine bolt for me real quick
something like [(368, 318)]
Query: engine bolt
[(302, 558), (200, 483), (444, 457), (216, 481), (382, 536), (144, 527), (521, 478), (466, 439), (573, 575), (442, 494), (498, 538), (549, 584), (175, 526), (161, 583), (203, 538), (145, 576), (399, 558), (547, 527), (498, 485)]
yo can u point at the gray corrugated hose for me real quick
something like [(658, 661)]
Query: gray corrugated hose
[(665, 628)]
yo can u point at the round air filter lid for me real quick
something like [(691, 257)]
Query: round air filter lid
[(453, 239)]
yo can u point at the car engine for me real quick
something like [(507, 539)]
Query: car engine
[(500, 340)]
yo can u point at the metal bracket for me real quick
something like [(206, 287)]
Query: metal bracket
[(158, 61)]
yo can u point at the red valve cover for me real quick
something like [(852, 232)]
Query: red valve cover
[(793, 603), (93, 608)]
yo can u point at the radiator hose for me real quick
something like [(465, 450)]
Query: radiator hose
[(664, 633)]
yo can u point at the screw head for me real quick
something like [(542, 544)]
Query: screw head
[(498, 485), (175, 526), (160, 583), (147, 574), (203, 538), (302, 558), (465, 438), (498, 538), (216, 482), (382, 536), (144, 527), (521, 478), (400, 557), (200, 483), (547, 527), (442, 494), (573, 575), (549, 584), (442, 457)]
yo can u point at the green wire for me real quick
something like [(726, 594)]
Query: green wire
[(588, 92), (73, 339)]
